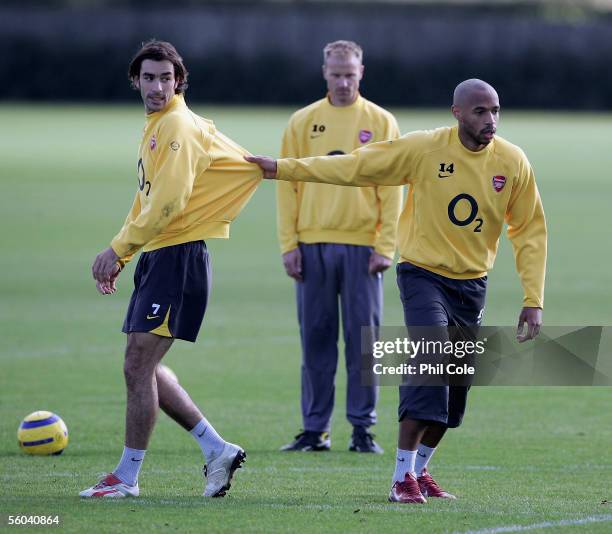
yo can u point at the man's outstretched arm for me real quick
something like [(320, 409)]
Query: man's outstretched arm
[(383, 163)]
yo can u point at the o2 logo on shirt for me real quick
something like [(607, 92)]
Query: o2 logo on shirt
[(141, 178), (452, 205)]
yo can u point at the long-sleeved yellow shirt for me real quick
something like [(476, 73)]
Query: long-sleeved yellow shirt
[(323, 213), (192, 182), (457, 203)]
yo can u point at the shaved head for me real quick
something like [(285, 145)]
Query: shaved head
[(476, 108), (471, 89)]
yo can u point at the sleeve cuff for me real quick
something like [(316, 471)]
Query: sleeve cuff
[(529, 302), (124, 255), (387, 253), (289, 247), (281, 170)]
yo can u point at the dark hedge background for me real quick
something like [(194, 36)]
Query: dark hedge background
[(270, 53)]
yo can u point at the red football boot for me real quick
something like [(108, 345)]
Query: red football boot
[(407, 491), (429, 487)]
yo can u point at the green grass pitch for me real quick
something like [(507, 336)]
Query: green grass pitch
[(524, 456)]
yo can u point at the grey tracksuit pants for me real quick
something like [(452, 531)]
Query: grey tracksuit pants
[(330, 271)]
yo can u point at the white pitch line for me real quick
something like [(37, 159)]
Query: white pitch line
[(545, 524)]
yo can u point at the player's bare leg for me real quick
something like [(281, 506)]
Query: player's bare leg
[(142, 354), (430, 440), (222, 458), (433, 435), (175, 401), (411, 433)]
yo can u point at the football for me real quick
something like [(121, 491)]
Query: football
[(42, 433)]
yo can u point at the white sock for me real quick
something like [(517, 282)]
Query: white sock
[(210, 442), (404, 463), (129, 466), (424, 453)]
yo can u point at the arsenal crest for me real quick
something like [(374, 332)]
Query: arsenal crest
[(498, 183), (153, 143), (365, 135)]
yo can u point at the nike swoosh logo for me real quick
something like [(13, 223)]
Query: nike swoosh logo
[(203, 432), (401, 459), (315, 136), (152, 316), (443, 176), (421, 455), (135, 460)]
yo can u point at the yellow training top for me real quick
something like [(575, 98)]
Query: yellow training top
[(323, 213), (457, 203), (192, 182)]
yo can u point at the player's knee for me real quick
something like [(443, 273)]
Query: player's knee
[(137, 366), (134, 372)]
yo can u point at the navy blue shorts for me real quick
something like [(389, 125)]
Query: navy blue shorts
[(171, 291), (429, 300)]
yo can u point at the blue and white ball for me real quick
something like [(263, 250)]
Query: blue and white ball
[(42, 433)]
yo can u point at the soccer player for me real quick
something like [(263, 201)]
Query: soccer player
[(336, 242), (465, 183), (192, 181)]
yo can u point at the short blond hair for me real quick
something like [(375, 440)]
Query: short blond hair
[(345, 48)]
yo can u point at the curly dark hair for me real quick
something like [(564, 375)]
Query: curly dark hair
[(159, 51)]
